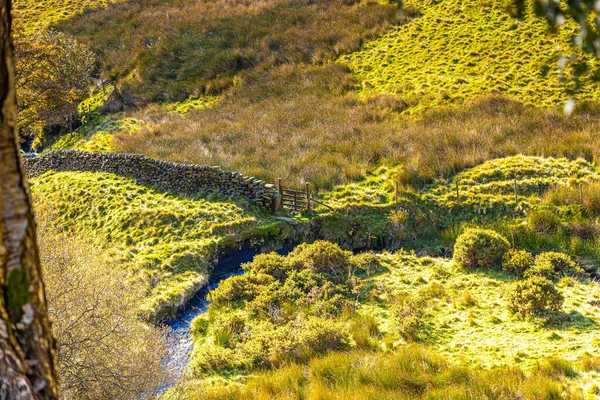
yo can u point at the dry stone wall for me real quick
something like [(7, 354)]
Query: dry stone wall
[(164, 175)]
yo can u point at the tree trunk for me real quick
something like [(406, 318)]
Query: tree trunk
[(27, 349)]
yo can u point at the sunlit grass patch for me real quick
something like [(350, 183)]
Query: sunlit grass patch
[(462, 49)]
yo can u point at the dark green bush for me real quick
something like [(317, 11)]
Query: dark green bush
[(553, 265), (517, 261), (532, 296), (366, 263), (240, 288), (324, 257), (480, 248), (271, 264)]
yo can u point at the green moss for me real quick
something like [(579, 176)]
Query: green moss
[(17, 293), (96, 135), (192, 103), (462, 49)]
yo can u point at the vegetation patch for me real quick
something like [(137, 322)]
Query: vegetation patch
[(168, 242), (459, 50), (464, 317)]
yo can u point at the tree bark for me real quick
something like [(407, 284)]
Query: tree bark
[(27, 349)]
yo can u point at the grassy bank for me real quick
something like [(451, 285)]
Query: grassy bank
[(548, 212), (167, 241)]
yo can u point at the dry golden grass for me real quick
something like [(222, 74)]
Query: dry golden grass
[(177, 48), (308, 124)]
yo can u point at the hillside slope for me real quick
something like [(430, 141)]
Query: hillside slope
[(462, 49)]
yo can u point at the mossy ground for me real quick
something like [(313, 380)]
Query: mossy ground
[(169, 241), (458, 50)]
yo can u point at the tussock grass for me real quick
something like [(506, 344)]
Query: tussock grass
[(412, 372), (459, 50), (180, 48)]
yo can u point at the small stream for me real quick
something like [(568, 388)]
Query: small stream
[(180, 340)]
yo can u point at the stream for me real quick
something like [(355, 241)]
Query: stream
[(180, 339)]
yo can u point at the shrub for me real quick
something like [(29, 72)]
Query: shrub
[(553, 265), (407, 314), (517, 261), (271, 264), (322, 256), (366, 263), (480, 248), (104, 350), (239, 288), (532, 296)]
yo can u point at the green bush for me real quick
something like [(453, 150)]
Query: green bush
[(553, 265), (323, 257), (480, 248), (239, 288), (271, 264), (532, 296), (517, 261)]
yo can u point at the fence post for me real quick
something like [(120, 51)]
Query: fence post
[(308, 205), (515, 189), (277, 197), (457, 192)]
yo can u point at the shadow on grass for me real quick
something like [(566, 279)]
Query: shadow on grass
[(567, 320)]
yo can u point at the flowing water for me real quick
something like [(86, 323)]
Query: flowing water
[(180, 340)]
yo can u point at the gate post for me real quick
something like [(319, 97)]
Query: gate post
[(308, 205)]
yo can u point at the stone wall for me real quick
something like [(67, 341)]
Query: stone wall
[(167, 176)]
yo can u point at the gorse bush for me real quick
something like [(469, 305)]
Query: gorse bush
[(532, 296), (553, 265), (480, 248), (323, 257), (517, 261), (282, 309)]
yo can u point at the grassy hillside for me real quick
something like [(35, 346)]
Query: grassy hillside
[(172, 49), (268, 100), (429, 217), (168, 241), (459, 50)]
